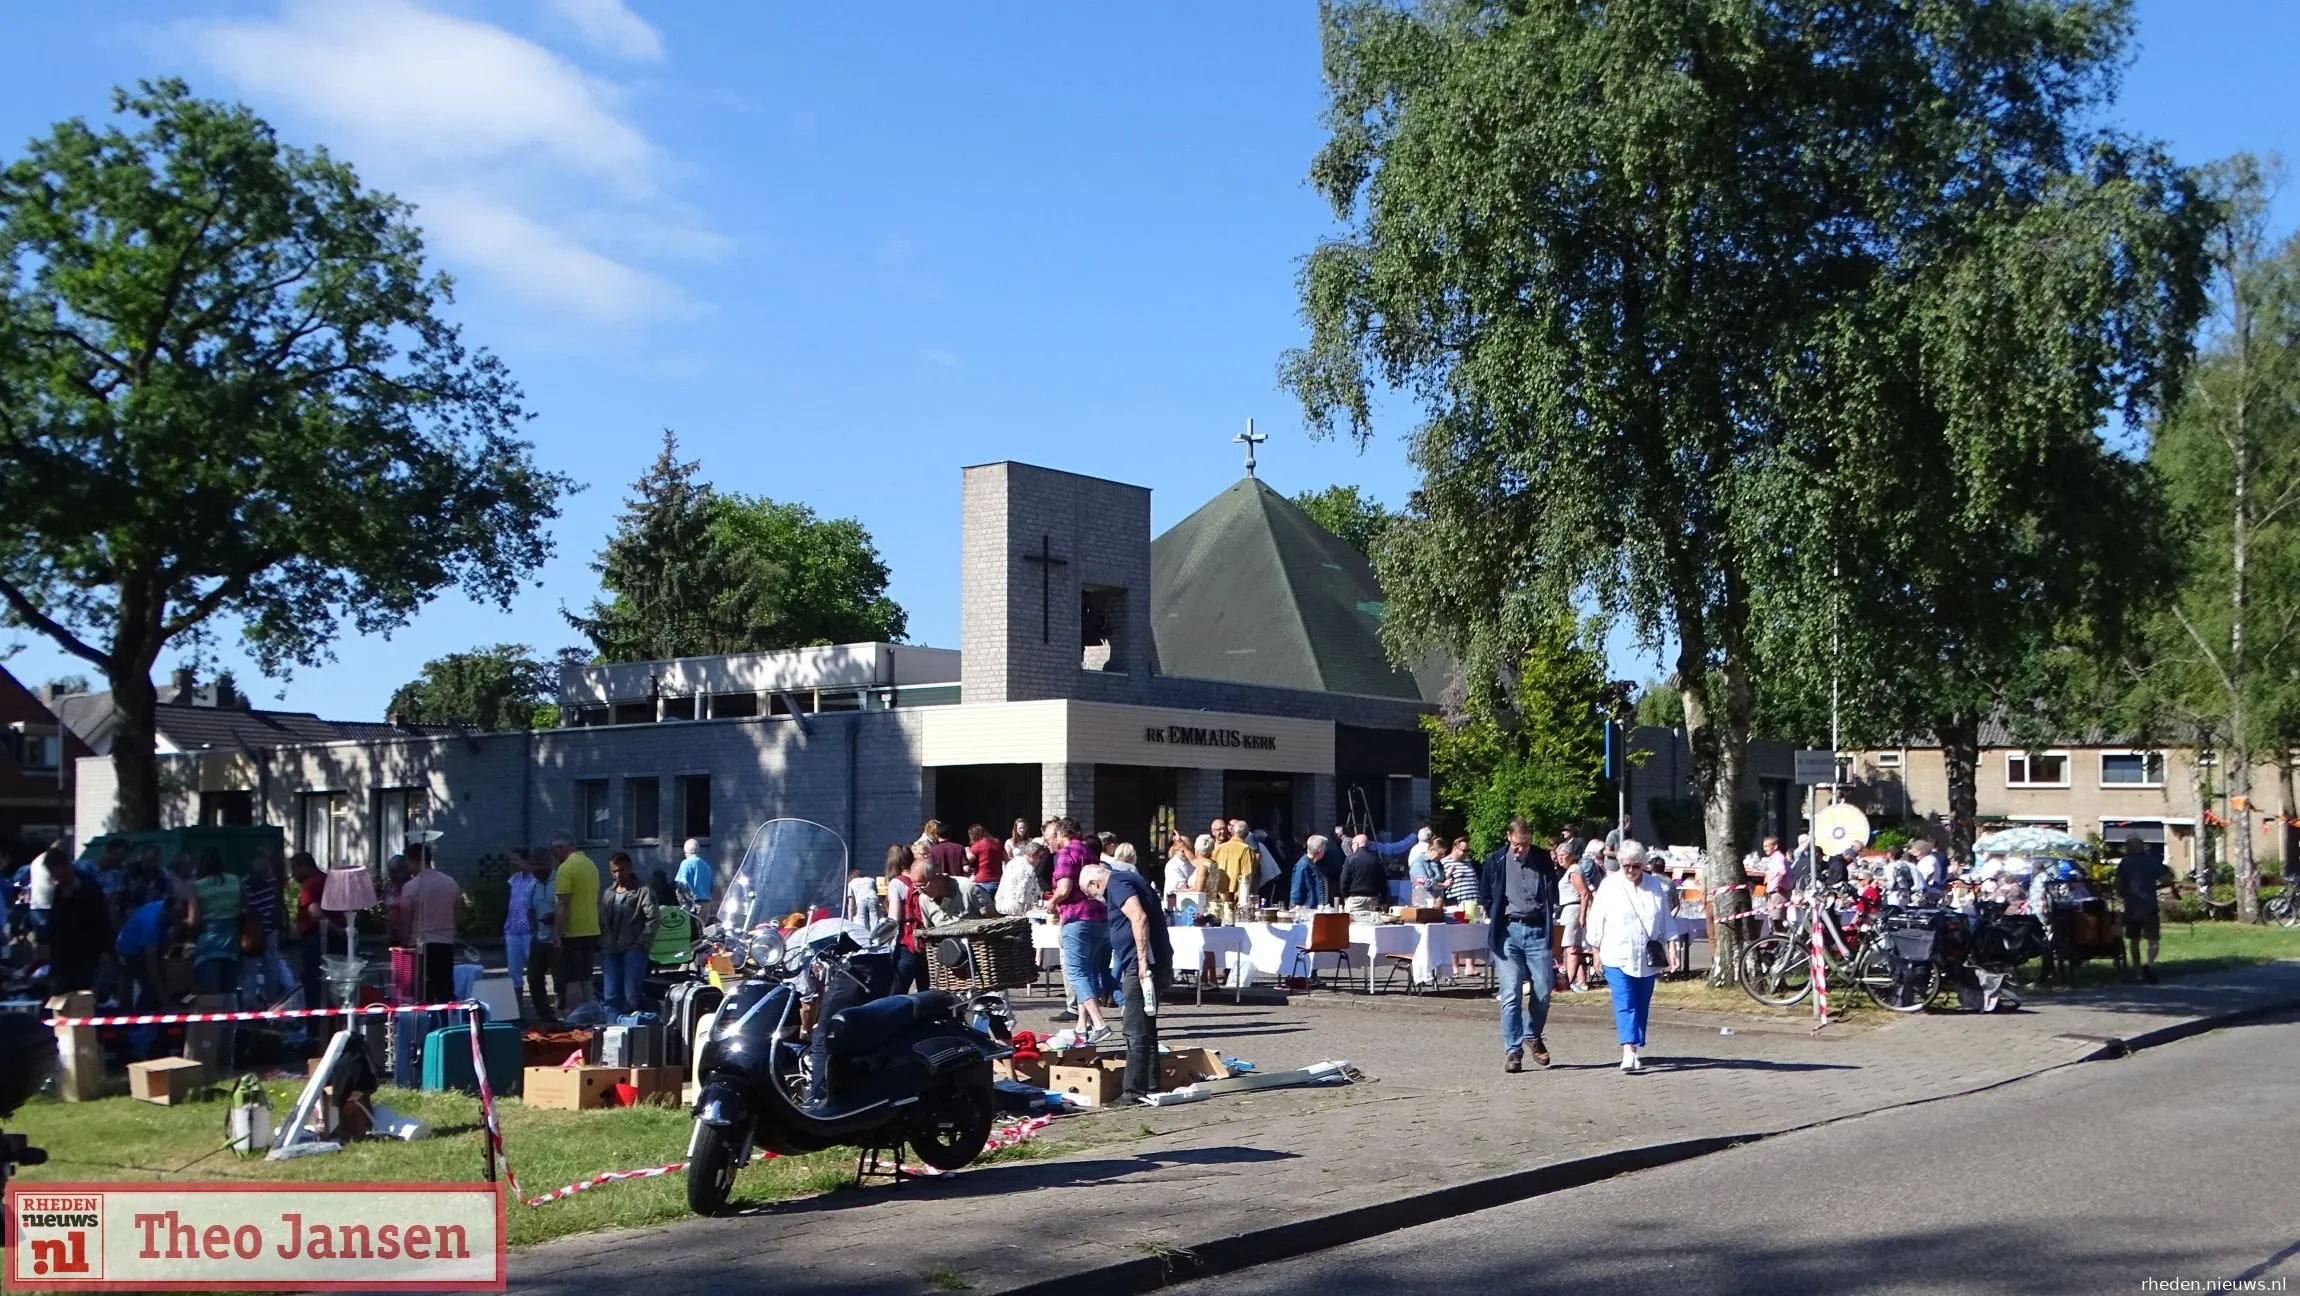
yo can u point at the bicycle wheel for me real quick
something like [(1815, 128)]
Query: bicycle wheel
[(1875, 974), (1777, 971)]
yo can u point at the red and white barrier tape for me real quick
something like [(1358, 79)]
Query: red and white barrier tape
[(269, 1014), (487, 1117), (1820, 974), (1018, 1132)]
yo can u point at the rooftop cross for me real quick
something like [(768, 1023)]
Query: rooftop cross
[(1251, 439), (1047, 562)]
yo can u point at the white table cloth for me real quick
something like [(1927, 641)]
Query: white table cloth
[(1431, 946), (1229, 946)]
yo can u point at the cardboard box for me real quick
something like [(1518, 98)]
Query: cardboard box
[(1430, 914), (208, 1042), (538, 1049), (723, 964), (166, 1081), (1182, 1068), (1029, 1071), (1095, 1085), (571, 1088), (79, 1053), (656, 1084)]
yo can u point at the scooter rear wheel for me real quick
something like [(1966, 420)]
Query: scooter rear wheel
[(710, 1170), (952, 1127)]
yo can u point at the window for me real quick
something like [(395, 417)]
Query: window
[(227, 809), (593, 816), (695, 805), (38, 753), (2132, 769), (1101, 624), (2036, 769), (643, 809), (398, 811), (324, 828), (591, 715), (634, 713), (678, 708), (727, 705), (1888, 760)]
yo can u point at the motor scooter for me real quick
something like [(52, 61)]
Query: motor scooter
[(884, 1071)]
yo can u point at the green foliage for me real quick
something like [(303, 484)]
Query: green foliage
[(691, 572), (1660, 704), (1358, 518), (829, 584), (1536, 750), (502, 687), (228, 394)]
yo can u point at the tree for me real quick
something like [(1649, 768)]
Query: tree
[(227, 395), (1661, 705), (692, 572), (827, 583), (1628, 257), (669, 579), (2230, 459), (503, 687), (1534, 748), (1358, 519)]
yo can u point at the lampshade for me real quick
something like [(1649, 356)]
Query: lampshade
[(347, 889)]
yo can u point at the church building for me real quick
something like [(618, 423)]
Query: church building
[(1230, 666)]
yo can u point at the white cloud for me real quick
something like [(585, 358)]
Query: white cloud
[(610, 28), (526, 170)]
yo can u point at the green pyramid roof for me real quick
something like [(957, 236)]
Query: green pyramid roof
[(1248, 589)]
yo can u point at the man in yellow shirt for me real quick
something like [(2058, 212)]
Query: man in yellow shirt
[(576, 884), (1241, 864)]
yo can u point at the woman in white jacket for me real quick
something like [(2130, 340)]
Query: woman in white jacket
[(1629, 913)]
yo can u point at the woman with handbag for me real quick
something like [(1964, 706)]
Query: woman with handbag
[(1628, 924)]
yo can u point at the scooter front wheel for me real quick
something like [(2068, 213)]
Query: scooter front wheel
[(710, 1169), (952, 1127)]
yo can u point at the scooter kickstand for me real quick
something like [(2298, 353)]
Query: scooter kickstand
[(867, 1164)]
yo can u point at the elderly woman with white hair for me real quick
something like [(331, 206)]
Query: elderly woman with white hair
[(1629, 920)]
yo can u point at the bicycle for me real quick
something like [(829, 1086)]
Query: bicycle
[(1777, 970)]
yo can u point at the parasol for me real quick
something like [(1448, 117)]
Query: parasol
[(2046, 843)]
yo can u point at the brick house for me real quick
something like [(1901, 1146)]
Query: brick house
[(37, 767), (2099, 787)]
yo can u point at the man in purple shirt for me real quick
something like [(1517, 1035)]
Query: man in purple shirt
[(1085, 929)]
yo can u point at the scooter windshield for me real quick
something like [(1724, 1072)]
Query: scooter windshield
[(792, 866)]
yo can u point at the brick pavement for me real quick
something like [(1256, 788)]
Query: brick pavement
[(1434, 1110)]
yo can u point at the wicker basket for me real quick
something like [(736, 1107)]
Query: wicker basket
[(999, 955)]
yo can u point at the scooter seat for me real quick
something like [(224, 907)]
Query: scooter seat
[(866, 1026)]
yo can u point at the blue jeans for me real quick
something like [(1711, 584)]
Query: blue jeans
[(1086, 960), (1632, 1004), (516, 946), (621, 974), (1524, 958)]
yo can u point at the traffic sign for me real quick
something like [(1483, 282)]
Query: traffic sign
[(1816, 768)]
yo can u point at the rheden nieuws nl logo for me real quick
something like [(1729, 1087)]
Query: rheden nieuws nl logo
[(61, 1235), (241, 1237)]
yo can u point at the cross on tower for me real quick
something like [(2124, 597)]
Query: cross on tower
[(1252, 439), (1047, 562)]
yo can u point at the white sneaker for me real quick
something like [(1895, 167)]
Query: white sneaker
[(1628, 1059)]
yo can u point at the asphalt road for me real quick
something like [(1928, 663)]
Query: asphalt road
[(2176, 1163)]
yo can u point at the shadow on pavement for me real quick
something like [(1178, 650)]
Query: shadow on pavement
[(1019, 1176), (1653, 1064)]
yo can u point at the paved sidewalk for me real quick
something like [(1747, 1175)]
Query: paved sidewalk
[(1434, 1111)]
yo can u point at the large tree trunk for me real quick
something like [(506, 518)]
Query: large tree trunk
[(1960, 739), (2200, 776), (133, 745), (1718, 737)]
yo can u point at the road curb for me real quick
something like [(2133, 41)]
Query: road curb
[(1319, 1233), (2126, 1045), (1298, 1238)]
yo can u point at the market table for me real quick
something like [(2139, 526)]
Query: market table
[(1431, 946), (1193, 945)]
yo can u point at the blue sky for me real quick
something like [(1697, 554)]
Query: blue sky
[(844, 255)]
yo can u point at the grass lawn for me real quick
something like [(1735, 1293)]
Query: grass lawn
[(2189, 949), (120, 1138)]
